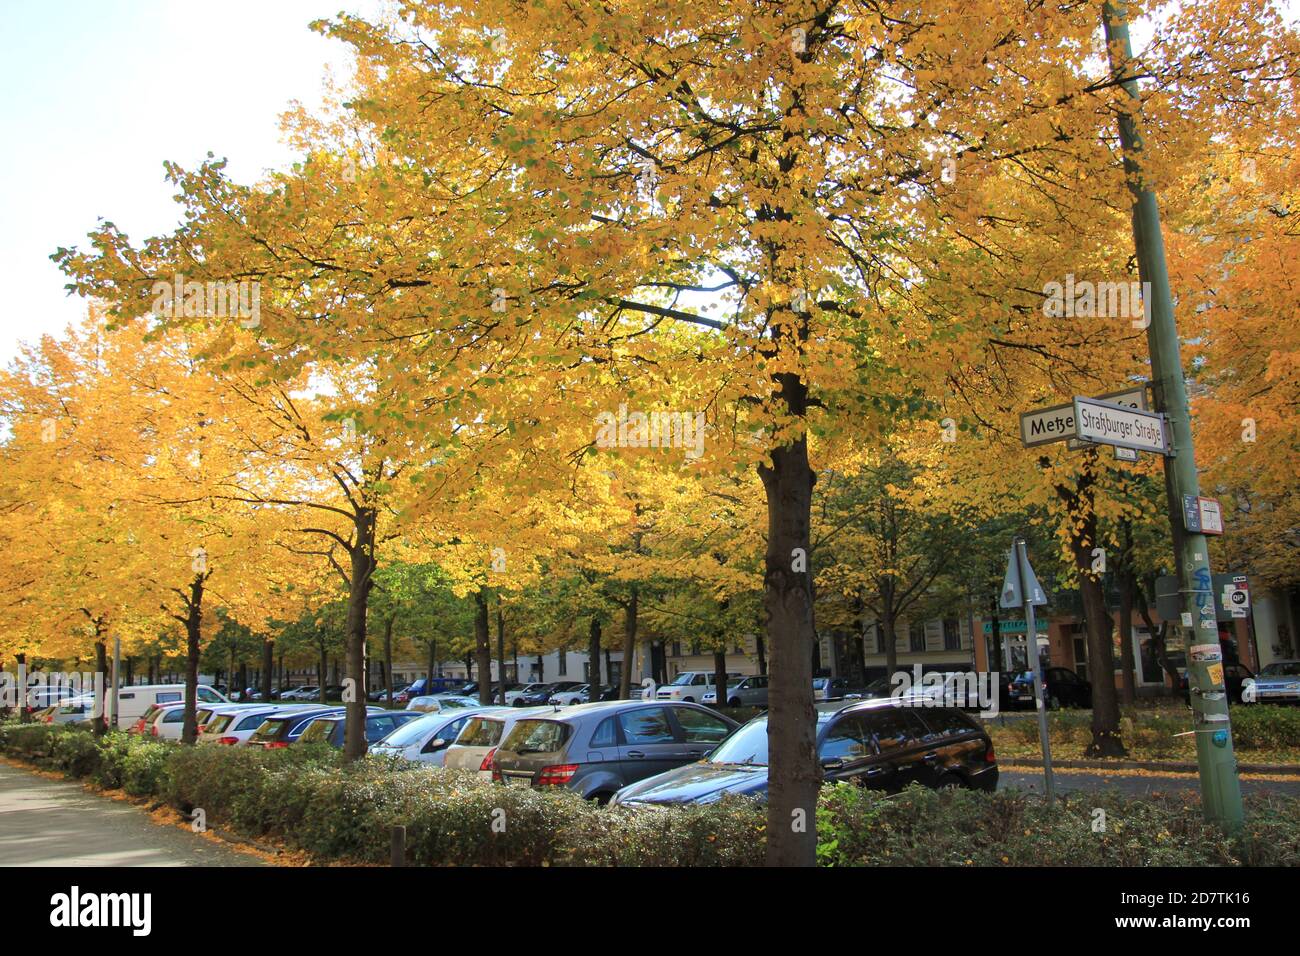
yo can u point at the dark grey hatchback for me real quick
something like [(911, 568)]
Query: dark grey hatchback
[(595, 749)]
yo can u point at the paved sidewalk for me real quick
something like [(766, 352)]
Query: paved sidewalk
[(47, 822)]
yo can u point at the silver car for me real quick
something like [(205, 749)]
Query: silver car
[(750, 692), (1277, 683)]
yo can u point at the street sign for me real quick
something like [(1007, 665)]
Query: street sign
[(1132, 398), (1202, 515), (1015, 627), (1108, 423), (1011, 585), (1056, 423)]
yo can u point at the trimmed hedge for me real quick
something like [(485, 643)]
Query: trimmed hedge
[(1010, 828), (308, 798), (1154, 734)]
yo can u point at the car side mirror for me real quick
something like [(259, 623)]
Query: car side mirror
[(832, 763), (434, 745)]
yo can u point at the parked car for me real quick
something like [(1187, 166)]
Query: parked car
[(280, 728), (690, 686), (427, 738), (596, 749), (1278, 683), (74, 710), (477, 742), (544, 692), (1062, 687), (422, 687), (167, 723), (436, 703), (582, 695), (233, 728), (836, 688), (306, 692), (515, 697), (879, 744), (748, 692), (332, 728)]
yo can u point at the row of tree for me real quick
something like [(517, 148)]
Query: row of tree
[(822, 229)]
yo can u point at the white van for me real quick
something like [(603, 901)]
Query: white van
[(134, 699), (691, 686)]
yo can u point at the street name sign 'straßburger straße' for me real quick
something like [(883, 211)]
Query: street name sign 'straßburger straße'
[(1109, 423)]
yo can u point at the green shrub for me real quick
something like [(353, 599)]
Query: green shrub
[(306, 796), (727, 833), (77, 753), (1265, 727), (965, 828), (33, 742)]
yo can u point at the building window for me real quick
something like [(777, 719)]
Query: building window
[(916, 637), (677, 648), (564, 661), (880, 639), (951, 634), (695, 648)]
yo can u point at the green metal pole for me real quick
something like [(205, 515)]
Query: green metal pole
[(1220, 786)]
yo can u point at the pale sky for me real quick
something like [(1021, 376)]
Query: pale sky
[(98, 93)]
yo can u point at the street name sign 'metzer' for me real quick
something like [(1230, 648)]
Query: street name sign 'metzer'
[(1107, 423)]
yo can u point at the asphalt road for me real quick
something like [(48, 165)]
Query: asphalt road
[(1134, 785), (57, 823)]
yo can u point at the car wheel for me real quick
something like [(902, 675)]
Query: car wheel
[(602, 798), (689, 700), (949, 781), (734, 702)]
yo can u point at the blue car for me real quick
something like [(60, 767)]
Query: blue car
[(882, 744)]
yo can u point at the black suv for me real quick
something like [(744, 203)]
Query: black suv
[(882, 744)]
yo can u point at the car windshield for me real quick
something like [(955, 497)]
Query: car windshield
[(481, 732), (1281, 669), (317, 730), (270, 728), (536, 737), (746, 745), (412, 732), (219, 723), (684, 678)]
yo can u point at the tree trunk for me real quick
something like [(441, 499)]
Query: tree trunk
[(482, 647), (793, 774), (268, 668), (1158, 637), (720, 678), (388, 658), (501, 651), (359, 585), (24, 703), (1106, 740), (760, 649), (322, 669), (890, 628), (102, 667), (1127, 664), (193, 637), (593, 656), (629, 645)]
